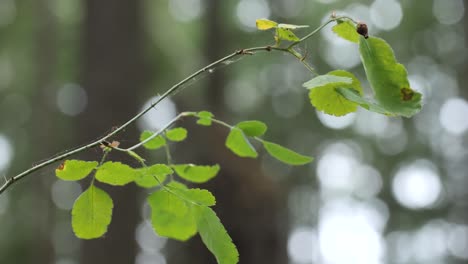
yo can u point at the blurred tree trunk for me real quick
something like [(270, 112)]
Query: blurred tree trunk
[(250, 205), (113, 71), (45, 137)]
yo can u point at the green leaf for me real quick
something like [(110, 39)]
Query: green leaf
[(325, 98), (354, 96), (177, 134), (92, 213), (204, 118), (252, 128), (239, 144), (115, 173), (192, 196), (154, 143), (285, 155), (196, 173), (215, 237), (146, 176), (346, 30), (171, 216), (286, 34), (73, 170), (323, 80), (265, 24), (388, 78)]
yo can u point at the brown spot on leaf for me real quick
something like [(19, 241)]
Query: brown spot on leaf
[(406, 94), (61, 166), (362, 29)]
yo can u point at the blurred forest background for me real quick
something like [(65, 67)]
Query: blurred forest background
[(381, 190)]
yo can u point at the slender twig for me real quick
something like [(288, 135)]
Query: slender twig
[(170, 91), (320, 28)]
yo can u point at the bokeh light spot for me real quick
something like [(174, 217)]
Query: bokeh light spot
[(250, 10), (65, 193), (71, 99), (417, 185), (386, 14), (302, 245), (453, 116), (6, 152), (159, 116), (348, 233), (186, 10), (448, 12)]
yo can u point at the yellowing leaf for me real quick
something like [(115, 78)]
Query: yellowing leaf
[(73, 170), (265, 24), (92, 213)]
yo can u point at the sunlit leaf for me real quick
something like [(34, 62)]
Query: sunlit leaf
[(73, 170), (285, 155), (239, 144), (325, 98), (252, 128), (196, 173), (155, 143), (171, 216), (204, 118), (346, 30), (265, 24), (92, 213), (177, 134), (215, 237), (116, 173), (152, 176), (388, 78)]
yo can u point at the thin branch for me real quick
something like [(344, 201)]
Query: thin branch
[(172, 90)]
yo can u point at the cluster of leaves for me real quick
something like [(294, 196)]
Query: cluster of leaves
[(178, 212), (339, 92)]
